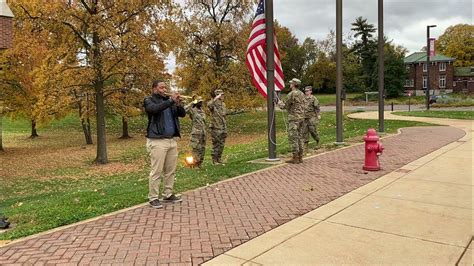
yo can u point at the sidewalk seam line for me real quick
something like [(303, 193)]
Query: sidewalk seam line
[(429, 203), (290, 237), (464, 251), (399, 235)]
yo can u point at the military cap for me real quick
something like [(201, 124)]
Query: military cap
[(295, 81), (308, 88), (218, 91)]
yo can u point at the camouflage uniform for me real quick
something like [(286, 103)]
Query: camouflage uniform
[(294, 104), (311, 119), (218, 128), (198, 132)]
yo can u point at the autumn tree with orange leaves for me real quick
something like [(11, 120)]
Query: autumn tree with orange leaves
[(103, 51), (211, 54)]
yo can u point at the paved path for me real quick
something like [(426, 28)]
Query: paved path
[(214, 219), (421, 213), (396, 107)]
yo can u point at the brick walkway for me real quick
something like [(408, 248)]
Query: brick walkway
[(217, 218)]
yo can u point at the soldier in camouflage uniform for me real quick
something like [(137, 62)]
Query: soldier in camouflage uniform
[(294, 104), (198, 131), (218, 125), (311, 118)]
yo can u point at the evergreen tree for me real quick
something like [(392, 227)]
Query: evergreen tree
[(365, 49)]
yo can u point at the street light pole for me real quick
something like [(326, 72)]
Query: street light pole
[(381, 69), (339, 114), (428, 48)]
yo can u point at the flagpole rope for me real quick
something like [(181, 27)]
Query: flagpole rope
[(273, 121)]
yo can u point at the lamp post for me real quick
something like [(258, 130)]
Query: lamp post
[(339, 84), (381, 67), (428, 51)]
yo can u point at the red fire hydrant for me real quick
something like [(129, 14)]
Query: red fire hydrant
[(373, 148)]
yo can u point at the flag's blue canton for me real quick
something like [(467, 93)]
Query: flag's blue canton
[(260, 8)]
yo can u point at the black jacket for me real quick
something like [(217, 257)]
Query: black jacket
[(154, 107)]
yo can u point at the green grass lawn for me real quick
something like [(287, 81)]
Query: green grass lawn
[(330, 99), (63, 194), (455, 100), (440, 114)]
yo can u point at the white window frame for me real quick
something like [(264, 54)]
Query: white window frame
[(442, 66), (412, 82), (425, 82), (407, 83), (442, 81), (425, 67)]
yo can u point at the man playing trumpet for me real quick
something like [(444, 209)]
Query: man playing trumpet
[(162, 132)]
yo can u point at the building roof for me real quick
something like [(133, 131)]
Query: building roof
[(464, 71), (418, 57), (5, 10)]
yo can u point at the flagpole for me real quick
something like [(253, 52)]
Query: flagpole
[(270, 62)]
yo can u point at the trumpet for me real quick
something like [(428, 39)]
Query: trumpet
[(180, 96)]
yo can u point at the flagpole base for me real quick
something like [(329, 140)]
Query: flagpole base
[(272, 159), (339, 143)]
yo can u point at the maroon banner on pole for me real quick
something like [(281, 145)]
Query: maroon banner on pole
[(432, 47)]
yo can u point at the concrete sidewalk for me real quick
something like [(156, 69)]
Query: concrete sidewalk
[(421, 213)]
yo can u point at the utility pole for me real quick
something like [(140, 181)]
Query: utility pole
[(381, 69), (428, 51), (270, 64), (339, 114)]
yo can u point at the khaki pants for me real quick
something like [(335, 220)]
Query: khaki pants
[(164, 157)]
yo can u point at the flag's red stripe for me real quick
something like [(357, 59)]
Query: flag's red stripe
[(256, 60)]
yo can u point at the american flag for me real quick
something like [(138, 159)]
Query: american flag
[(256, 56)]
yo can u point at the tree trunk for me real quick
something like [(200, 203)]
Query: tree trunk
[(85, 123), (88, 124), (86, 128), (97, 65), (101, 137), (34, 133), (125, 134), (1, 133)]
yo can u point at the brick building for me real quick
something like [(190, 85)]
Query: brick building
[(464, 79), (441, 73), (6, 25)]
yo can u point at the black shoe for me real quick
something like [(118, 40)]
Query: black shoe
[(4, 223), (173, 198), (155, 204)]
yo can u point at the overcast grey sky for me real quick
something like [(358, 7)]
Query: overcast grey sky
[(404, 20)]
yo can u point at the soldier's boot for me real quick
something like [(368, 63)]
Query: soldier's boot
[(305, 148), (300, 157), (294, 159)]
